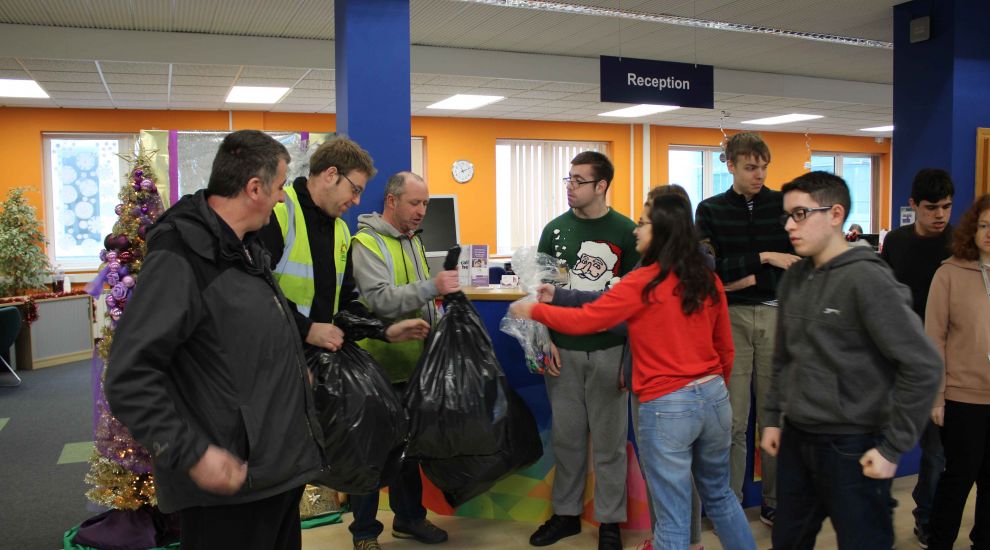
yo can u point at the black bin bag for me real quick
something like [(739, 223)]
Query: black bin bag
[(456, 396), (462, 478), (363, 421)]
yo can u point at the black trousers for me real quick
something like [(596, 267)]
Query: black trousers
[(966, 439), (267, 524)]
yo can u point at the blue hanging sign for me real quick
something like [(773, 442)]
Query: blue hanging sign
[(643, 81)]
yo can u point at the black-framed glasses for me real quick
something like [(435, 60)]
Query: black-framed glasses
[(571, 181), (799, 214), (354, 188)]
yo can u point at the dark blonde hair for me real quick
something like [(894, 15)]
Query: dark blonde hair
[(345, 155), (964, 236), (746, 144)]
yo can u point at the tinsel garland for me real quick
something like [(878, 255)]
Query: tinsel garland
[(116, 487), (30, 302)]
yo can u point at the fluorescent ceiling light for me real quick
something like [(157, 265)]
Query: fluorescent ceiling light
[(10, 87), (639, 110), (889, 128), (465, 101), (255, 94), (782, 119)]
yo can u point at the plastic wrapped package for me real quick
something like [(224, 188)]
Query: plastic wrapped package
[(533, 269), (363, 421)]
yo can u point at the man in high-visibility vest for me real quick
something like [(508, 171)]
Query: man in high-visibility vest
[(309, 244), (391, 272)]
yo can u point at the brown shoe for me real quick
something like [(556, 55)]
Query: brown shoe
[(367, 544)]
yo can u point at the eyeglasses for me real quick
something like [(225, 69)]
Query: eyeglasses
[(571, 181), (357, 190), (799, 214)]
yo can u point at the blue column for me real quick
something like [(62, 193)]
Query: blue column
[(941, 89), (372, 74)]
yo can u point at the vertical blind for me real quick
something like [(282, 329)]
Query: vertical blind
[(530, 189)]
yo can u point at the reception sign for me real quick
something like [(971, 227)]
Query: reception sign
[(642, 81)]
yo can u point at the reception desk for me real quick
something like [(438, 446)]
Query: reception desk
[(62, 333)]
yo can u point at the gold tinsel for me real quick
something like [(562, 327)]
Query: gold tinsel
[(317, 501), (116, 487)]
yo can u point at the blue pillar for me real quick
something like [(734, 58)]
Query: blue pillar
[(941, 89), (372, 74)]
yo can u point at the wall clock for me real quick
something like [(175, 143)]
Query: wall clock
[(462, 170)]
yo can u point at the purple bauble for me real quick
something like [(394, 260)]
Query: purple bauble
[(126, 256), (111, 301), (123, 242), (136, 211), (115, 313), (123, 270), (142, 231), (113, 278), (138, 174), (144, 220), (119, 209), (119, 292), (145, 209), (111, 256), (103, 255), (128, 281), (113, 266), (147, 184)]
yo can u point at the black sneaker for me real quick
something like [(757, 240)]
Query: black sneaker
[(420, 530), (554, 529), (767, 515), (921, 531), (609, 537)]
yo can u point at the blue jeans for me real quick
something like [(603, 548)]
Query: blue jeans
[(683, 433), (930, 470), (405, 497), (819, 475)]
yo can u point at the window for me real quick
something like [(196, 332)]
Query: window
[(860, 173), (699, 171), (83, 175), (529, 187)]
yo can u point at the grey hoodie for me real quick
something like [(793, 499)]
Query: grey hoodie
[(851, 355), (377, 284)]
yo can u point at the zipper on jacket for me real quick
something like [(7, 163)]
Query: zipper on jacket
[(306, 396)]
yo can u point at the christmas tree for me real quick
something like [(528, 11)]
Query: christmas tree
[(120, 469)]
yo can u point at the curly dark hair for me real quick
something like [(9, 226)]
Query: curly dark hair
[(964, 236)]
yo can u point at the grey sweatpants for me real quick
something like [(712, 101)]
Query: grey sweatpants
[(585, 399)]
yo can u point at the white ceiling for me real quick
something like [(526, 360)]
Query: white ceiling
[(186, 54)]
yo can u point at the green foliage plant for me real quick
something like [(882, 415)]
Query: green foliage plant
[(24, 266)]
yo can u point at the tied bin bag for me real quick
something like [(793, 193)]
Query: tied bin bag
[(363, 421), (467, 426)]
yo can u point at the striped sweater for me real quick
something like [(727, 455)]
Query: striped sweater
[(738, 235)]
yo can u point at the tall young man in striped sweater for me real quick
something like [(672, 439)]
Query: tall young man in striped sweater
[(752, 250)]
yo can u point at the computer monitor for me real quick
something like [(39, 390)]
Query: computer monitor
[(441, 229)]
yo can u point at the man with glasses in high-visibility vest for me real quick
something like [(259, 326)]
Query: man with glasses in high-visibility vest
[(309, 244), (391, 272)]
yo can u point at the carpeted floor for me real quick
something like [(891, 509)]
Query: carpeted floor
[(46, 437)]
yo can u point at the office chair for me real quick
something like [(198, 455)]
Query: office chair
[(10, 327)]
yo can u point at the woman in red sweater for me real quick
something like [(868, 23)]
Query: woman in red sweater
[(682, 351)]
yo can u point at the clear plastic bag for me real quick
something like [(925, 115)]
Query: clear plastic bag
[(533, 268)]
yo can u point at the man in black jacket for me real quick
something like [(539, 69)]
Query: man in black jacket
[(206, 367)]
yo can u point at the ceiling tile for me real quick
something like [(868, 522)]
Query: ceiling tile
[(60, 65), (205, 70), (124, 67), (185, 80)]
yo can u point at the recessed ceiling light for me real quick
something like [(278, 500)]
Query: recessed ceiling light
[(255, 94), (465, 101), (639, 110), (782, 119), (10, 87), (889, 128)]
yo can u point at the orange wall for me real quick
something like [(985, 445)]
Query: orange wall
[(446, 140)]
